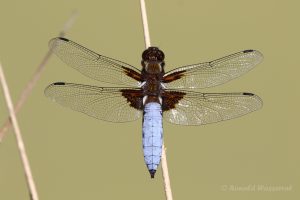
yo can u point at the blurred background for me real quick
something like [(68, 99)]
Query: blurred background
[(77, 157)]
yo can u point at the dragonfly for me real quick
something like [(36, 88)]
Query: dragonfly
[(152, 93)]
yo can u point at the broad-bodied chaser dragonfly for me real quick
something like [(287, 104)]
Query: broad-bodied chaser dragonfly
[(152, 93)]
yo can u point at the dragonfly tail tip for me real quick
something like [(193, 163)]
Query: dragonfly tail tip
[(152, 172)]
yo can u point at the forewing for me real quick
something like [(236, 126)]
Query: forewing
[(108, 104), (212, 73), (93, 65), (195, 108)]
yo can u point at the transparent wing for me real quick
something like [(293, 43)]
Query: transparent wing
[(93, 65), (108, 104), (213, 73), (195, 108)]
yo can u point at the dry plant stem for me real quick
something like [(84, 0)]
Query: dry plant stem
[(36, 76), (145, 23), (166, 177), (29, 178), (164, 165)]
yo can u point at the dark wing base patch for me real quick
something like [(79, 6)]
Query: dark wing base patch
[(133, 74), (170, 99), (134, 97), (173, 76)]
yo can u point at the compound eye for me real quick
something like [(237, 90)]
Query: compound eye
[(153, 54)]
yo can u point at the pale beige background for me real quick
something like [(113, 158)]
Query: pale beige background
[(77, 157)]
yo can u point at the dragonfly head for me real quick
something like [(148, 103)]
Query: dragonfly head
[(153, 54), (153, 60)]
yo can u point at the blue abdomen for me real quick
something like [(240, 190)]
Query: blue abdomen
[(152, 136)]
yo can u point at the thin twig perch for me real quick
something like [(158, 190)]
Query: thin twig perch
[(29, 178), (36, 76), (164, 165)]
